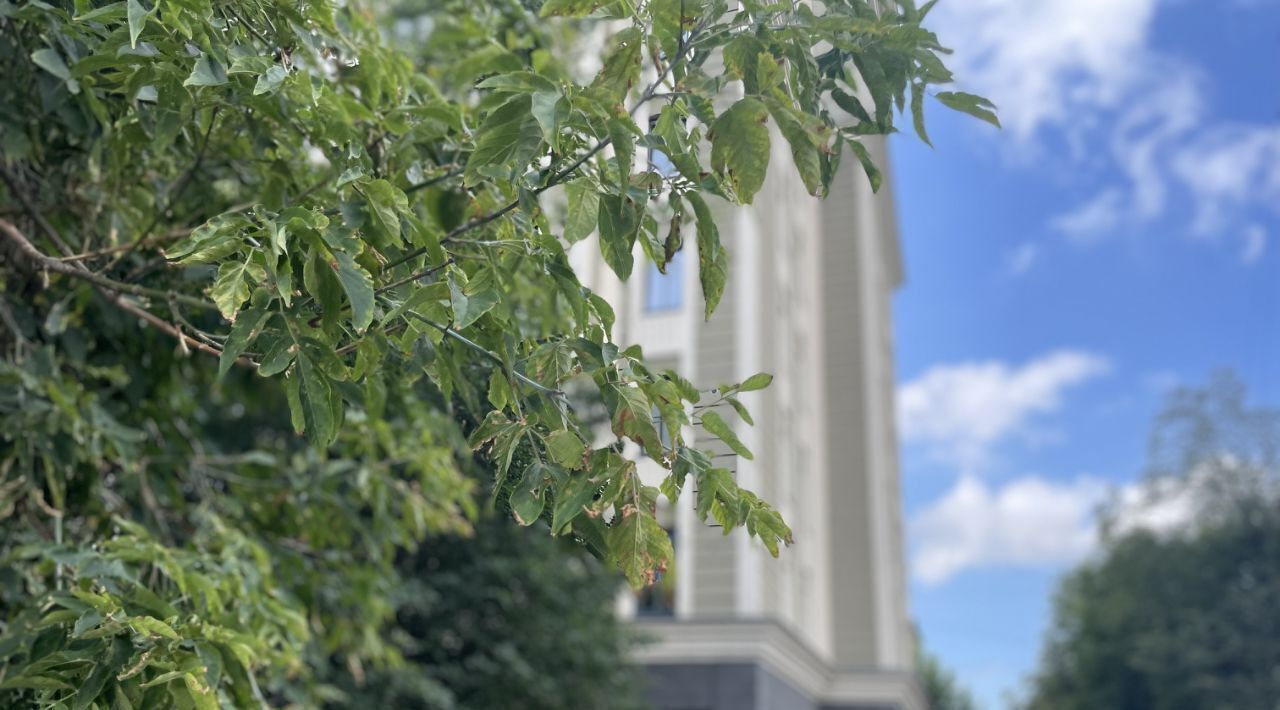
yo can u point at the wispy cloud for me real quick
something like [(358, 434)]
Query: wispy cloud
[(1045, 62), (1022, 258), (1084, 71), (959, 411), (1028, 522), (1100, 215)]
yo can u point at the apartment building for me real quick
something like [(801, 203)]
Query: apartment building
[(826, 626)]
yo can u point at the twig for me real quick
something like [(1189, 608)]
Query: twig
[(112, 291), (552, 393), (47, 263), (35, 213)]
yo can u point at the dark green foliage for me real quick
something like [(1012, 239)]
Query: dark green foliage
[(1171, 623), (1184, 618), (509, 617), (941, 688)]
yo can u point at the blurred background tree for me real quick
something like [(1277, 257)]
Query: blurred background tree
[(507, 617), (1179, 608), (942, 690)]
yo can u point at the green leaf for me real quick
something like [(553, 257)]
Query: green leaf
[(566, 449), (917, 112), (569, 8), (550, 109), (104, 14), (765, 523), (584, 210), (622, 134), (868, 165), (741, 60), (508, 138), (271, 80), (639, 546), (975, 106), (520, 82), (528, 499), (621, 68), (153, 627), (500, 394), (359, 287), (233, 284), (207, 72), (740, 147), (713, 260), (632, 417), (50, 61), (720, 429), (279, 355), (386, 203), (201, 694), (137, 20), (804, 149), (471, 298), (317, 401), (323, 284), (715, 485), (103, 671), (758, 381), (242, 333), (34, 683), (619, 224), (570, 501)]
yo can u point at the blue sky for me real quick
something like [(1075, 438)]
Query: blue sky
[(1119, 237)]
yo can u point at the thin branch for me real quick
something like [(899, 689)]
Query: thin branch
[(30, 208), (414, 277), (112, 291), (552, 393), (452, 173), (47, 263)]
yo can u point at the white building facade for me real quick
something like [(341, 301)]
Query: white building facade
[(826, 625)]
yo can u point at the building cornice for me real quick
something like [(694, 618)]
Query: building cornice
[(773, 646)]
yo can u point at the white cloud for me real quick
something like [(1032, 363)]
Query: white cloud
[(1230, 167), (1023, 258), (1028, 522), (1043, 61), (1163, 507), (960, 410), (1083, 71), (1096, 217)]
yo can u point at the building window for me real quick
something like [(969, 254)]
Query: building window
[(665, 292)]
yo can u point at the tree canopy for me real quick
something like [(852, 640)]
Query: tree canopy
[(214, 213), (1181, 617)]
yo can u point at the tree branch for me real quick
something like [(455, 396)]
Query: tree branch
[(111, 290), (75, 270)]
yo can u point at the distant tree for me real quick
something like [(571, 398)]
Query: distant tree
[(941, 688), (1184, 617)]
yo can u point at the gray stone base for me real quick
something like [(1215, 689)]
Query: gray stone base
[(728, 686)]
